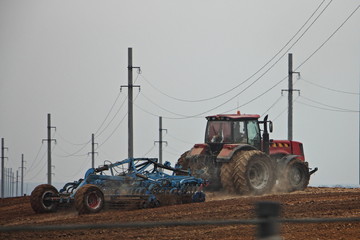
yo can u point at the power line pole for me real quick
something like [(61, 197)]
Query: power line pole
[(3, 167), (10, 183), (160, 140), (130, 87), (22, 175), (290, 91), (49, 140), (93, 150), (17, 183)]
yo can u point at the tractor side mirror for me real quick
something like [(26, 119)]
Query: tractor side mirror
[(270, 126)]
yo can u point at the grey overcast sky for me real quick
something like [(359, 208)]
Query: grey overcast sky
[(69, 58)]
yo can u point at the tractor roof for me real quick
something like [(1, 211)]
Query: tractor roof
[(236, 116)]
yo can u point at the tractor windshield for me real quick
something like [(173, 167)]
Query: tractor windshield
[(218, 132), (246, 132)]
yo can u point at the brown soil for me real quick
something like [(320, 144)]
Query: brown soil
[(311, 203)]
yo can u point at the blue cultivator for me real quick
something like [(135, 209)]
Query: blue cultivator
[(138, 182)]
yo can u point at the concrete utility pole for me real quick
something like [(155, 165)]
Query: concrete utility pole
[(160, 140), (290, 91), (130, 87), (22, 175), (3, 167), (49, 140), (93, 150), (17, 183)]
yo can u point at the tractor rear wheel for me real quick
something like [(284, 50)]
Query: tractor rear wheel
[(296, 177), (253, 172), (40, 198), (226, 177), (183, 162), (204, 166), (89, 199)]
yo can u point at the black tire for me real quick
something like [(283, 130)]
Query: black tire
[(296, 176), (226, 177), (40, 201), (253, 172), (204, 166), (89, 199)]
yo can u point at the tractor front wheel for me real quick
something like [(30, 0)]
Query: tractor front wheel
[(41, 201), (89, 199), (296, 177)]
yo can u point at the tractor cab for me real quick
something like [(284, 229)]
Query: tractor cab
[(232, 129)]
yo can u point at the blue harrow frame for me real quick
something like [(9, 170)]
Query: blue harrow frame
[(139, 182)]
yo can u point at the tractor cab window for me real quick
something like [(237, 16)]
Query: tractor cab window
[(218, 132), (239, 130), (253, 133)]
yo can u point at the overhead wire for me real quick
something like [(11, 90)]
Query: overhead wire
[(45, 163), (330, 89), (342, 24), (150, 150), (257, 79), (108, 114), (117, 126), (261, 68), (72, 143), (327, 109), (326, 105), (36, 158), (337, 29)]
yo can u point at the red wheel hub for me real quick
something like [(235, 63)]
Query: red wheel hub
[(93, 200)]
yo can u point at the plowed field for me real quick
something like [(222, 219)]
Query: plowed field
[(312, 203)]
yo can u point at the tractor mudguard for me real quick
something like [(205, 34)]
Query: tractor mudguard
[(197, 150), (228, 151), (281, 163)]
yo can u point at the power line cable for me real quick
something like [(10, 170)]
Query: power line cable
[(107, 115), (72, 143), (117, 112), (341, 25), (162, 108), (117, 126), (45, 163), (257, 97), (330, 89), (316, 49), (57, 146), (276, 101), (36, 157), (326, 105), (178, 139), (263, 74), (276, 63), (261, 68), (277, 116), (150, 150), (327, 109), (112, 119)]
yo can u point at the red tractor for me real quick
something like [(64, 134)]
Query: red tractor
[(235, 157)]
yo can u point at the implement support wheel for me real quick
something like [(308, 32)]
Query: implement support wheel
[(89, 199), (40, 198)]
